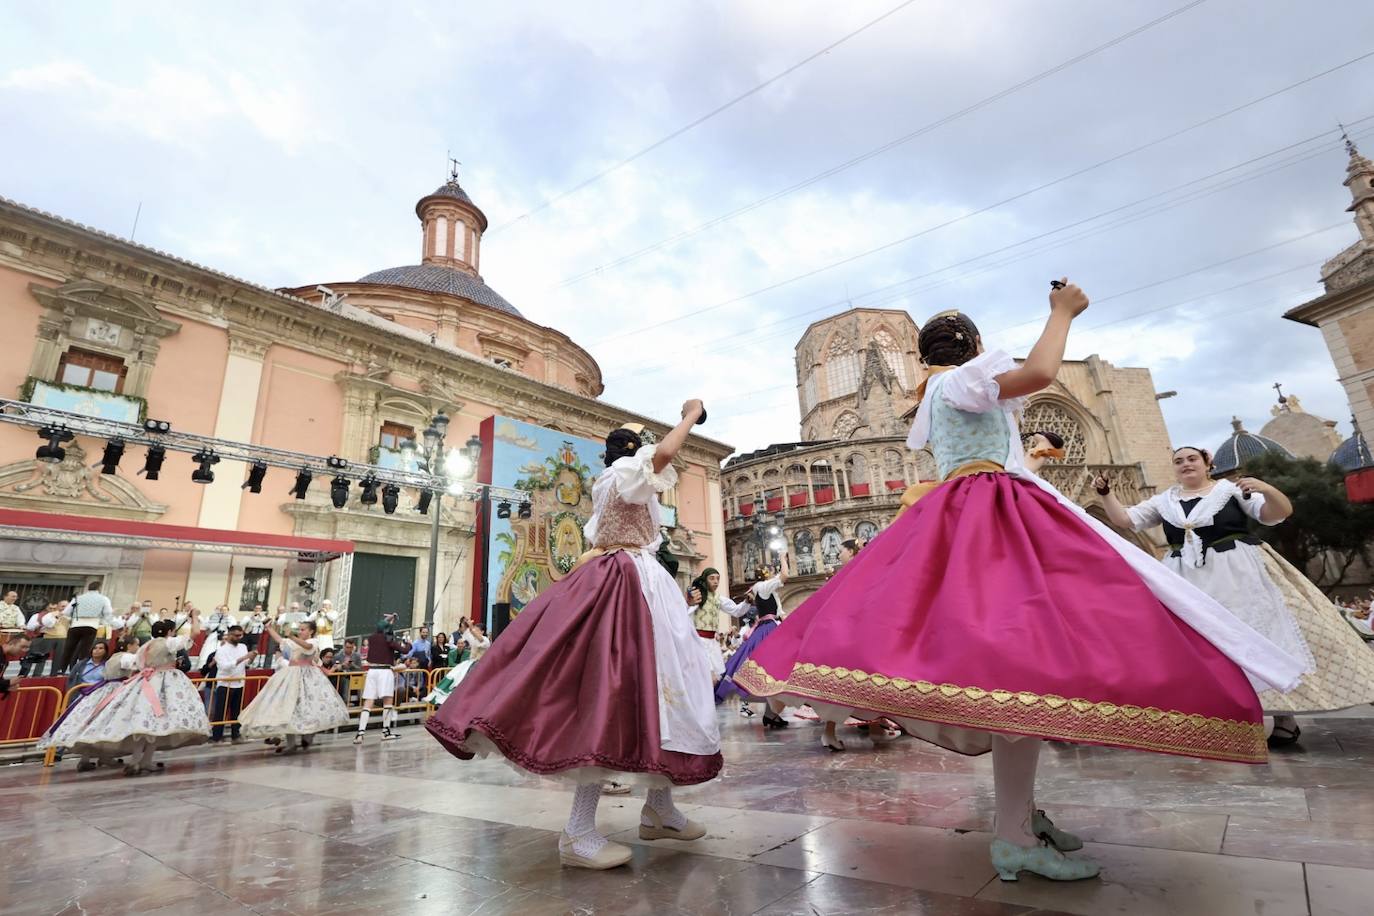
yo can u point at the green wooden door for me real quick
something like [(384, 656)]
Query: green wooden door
[(380, 584)]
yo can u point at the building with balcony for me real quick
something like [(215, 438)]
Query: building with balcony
[(100, 325), (856, 382)]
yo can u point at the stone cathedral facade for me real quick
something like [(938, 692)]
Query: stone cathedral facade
[(857, 375)]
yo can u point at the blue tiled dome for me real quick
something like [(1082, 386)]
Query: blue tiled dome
[(1352, 454), (1241, 447), (436, 278)]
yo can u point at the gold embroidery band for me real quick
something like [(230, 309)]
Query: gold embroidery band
[(1019, 712)]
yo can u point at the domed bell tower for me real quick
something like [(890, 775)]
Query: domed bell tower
[(452, 227)]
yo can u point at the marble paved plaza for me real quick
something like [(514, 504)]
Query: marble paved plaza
[(898, 829)]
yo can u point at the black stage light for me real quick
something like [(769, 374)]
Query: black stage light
[(53, 451), (503, 509), (157, 426), (526, 510), (206, 459), (422, 506), (303, 478), (369, 485), (391, 494), (256, 472), (152, 464), (114, 451), (338, 492)]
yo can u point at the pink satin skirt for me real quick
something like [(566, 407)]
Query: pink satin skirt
[(990, 606)]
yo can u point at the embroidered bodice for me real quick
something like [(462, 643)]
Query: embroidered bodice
[(960, 437), (707, 614), (622, 522), (625, 507), (964, 419)]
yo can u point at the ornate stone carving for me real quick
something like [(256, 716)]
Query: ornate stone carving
[(64, 485)]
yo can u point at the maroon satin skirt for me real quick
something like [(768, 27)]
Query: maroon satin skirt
[(571, 684)]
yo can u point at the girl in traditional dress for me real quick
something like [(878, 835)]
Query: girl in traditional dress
[(991, 614), (602, 674), (706, 605), (156, 707), (100, 676), (762, 597), (298, 701), (1206, 523), (476, 643)]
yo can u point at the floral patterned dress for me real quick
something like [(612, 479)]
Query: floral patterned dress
[(298, 700)]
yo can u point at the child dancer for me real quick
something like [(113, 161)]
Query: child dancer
[(763, 598), (602, 674), (298, 701), (157, 707), (992, 613)]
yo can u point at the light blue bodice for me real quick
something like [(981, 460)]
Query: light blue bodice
[(958, 437)]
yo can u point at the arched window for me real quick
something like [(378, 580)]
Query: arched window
[(893, 355), (796, 476), (866, 530), (1049, 416), (856, 468), (893, 466), (809, 396), (830, 547), (846, 424), (805, 549), (841, 368)]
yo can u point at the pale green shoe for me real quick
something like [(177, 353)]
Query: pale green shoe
[(1044, 828), (1046, 861)]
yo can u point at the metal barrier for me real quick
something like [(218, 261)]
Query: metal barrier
[(39, 719), (412, 687)]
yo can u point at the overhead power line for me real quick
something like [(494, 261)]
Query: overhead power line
[(968, 215), (706, 117), (877, 150), (899, 290)]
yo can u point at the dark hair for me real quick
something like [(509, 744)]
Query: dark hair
[(621, 443), (131, 639), (948, 340), (350, 642), (1054, 439), (311, 624), (162, 628), (235, 627), (851, 544), (1206, 455), (92, 586)]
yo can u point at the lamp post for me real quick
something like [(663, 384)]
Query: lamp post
[(448, 471)]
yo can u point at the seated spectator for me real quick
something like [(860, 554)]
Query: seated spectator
[(326, 658), (439, 652), (14, 649), (414, 680)]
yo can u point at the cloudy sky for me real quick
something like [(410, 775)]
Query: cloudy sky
[(1187, 173)]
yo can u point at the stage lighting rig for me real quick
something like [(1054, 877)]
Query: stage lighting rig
[(152, 463), (256, 472), (526, 510), (206, 459), (109, 461), (503, 509), (303, 478), (53, 452), (391, 495), (368, 496), (422, 506), (338, 492)]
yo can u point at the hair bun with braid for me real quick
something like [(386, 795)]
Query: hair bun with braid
[(948, 339)]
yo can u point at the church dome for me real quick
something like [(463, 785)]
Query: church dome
[(438, 278), (1241, 447), (450, 252), (1352, 454)]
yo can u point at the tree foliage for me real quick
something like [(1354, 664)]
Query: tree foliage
[(1325, 525)]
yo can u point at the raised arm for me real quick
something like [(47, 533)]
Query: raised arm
[(282, 637), (1042, 365), (668, 448)]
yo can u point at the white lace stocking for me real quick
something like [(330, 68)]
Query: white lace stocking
[(581, 827), (661, 801)]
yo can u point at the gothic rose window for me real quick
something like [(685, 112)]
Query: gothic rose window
[(845, 425), (1048, 416), (841, 369)]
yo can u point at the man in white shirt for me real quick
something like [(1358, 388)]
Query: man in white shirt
[(90, 611), (231, 664), (12, 616)]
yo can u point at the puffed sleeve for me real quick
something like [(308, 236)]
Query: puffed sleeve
[(636, 480), (1146, 515), (973, 386), (768, 588), (1254, 506)]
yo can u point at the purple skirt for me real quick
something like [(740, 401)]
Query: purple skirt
[(572, 684), (727, 685)]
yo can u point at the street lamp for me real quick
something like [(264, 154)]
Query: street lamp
[(448, 471)]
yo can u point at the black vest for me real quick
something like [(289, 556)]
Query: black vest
[(1230, 523)]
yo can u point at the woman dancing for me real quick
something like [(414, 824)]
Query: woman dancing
[(1210, 545), (100, 675), (156, 707), (602, 674), (298, 701), (991, 613), (706, 605), (762, 596)]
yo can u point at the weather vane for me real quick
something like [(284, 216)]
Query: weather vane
[(453, 167), (1345, 135)]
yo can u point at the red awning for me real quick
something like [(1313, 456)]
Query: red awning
[(92, 529)]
